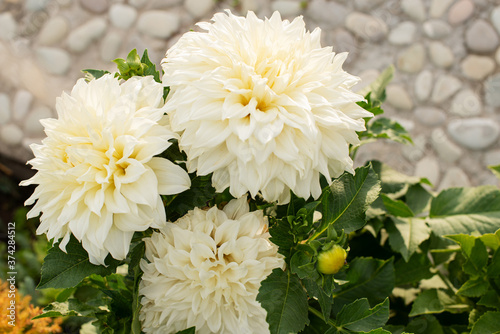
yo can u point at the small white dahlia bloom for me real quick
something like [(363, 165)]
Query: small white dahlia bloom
[(97, 175), (205, 270), (262, 105)]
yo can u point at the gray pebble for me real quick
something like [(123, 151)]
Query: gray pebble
[(95, 6), (412, 59), (403, 33), (477, 67), (491, 89), (414, 9), (460, 12), (157, 23), (445, 148), (366, 26), (4, 108), (474, 133), (481, 37), (21, 104), (11, 134), (430, 116), (54, 31), (436, 29), (53, 60), (466, 103), (446, 85), (428, 167), (122, 16), (423, 85), (454, 177), (81, 38)]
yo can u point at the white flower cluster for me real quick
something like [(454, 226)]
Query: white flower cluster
[(97, 175), (259, 104), (262, 106), (205, 270)]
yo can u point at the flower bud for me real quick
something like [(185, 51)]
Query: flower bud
[(332, 260)]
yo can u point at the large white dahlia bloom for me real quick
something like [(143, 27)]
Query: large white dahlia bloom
[(97, 177), (262, 105), (205, 271)]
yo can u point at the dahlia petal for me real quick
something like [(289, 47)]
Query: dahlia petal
[(172, 179), (93, 166), (140, 191), (237, 208), (198, 282), (118, 242)]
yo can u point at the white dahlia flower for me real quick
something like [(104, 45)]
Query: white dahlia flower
[(97, 175), (205, 271), (262, 105)]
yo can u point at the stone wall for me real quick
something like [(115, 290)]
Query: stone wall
[(446, 89)]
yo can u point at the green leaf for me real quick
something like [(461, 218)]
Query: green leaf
[(378, 331), (490, 299), (72, 307), (122, 65), (285, 301), (317, 325), (151, 68), (427, 324), (418, 198), (282, 236), (385, 128), (65, 270), (495, 170), (416, 269), (377, 87), (314, 290), (136, 255), (64, 295), (91, 74), (436, 301), (475, 252), (198, 195), (488, 323), (394, 184), (396, 207), (406, 234), (466, 210), (494, 267), (303, 265), (491, 240), (345, 201), (359, 317), (191, 330), (372, 105), (366, 278), (474, 287), (465, 241)]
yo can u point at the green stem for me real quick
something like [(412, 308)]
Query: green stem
[(354, 152), (447, 281), (320, 315), (494, 286), (171, 200)]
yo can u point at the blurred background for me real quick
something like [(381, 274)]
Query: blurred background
[(445, 91)]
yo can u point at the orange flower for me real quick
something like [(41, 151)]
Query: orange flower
[(17, 313)]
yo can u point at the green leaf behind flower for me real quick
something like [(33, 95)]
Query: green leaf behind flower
[(466, 210), (65, 270), (345, 201), (190, 330), (281, 294), (359, 317), (367, 278)]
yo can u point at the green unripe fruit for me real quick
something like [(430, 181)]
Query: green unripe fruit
[(332, 260)]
